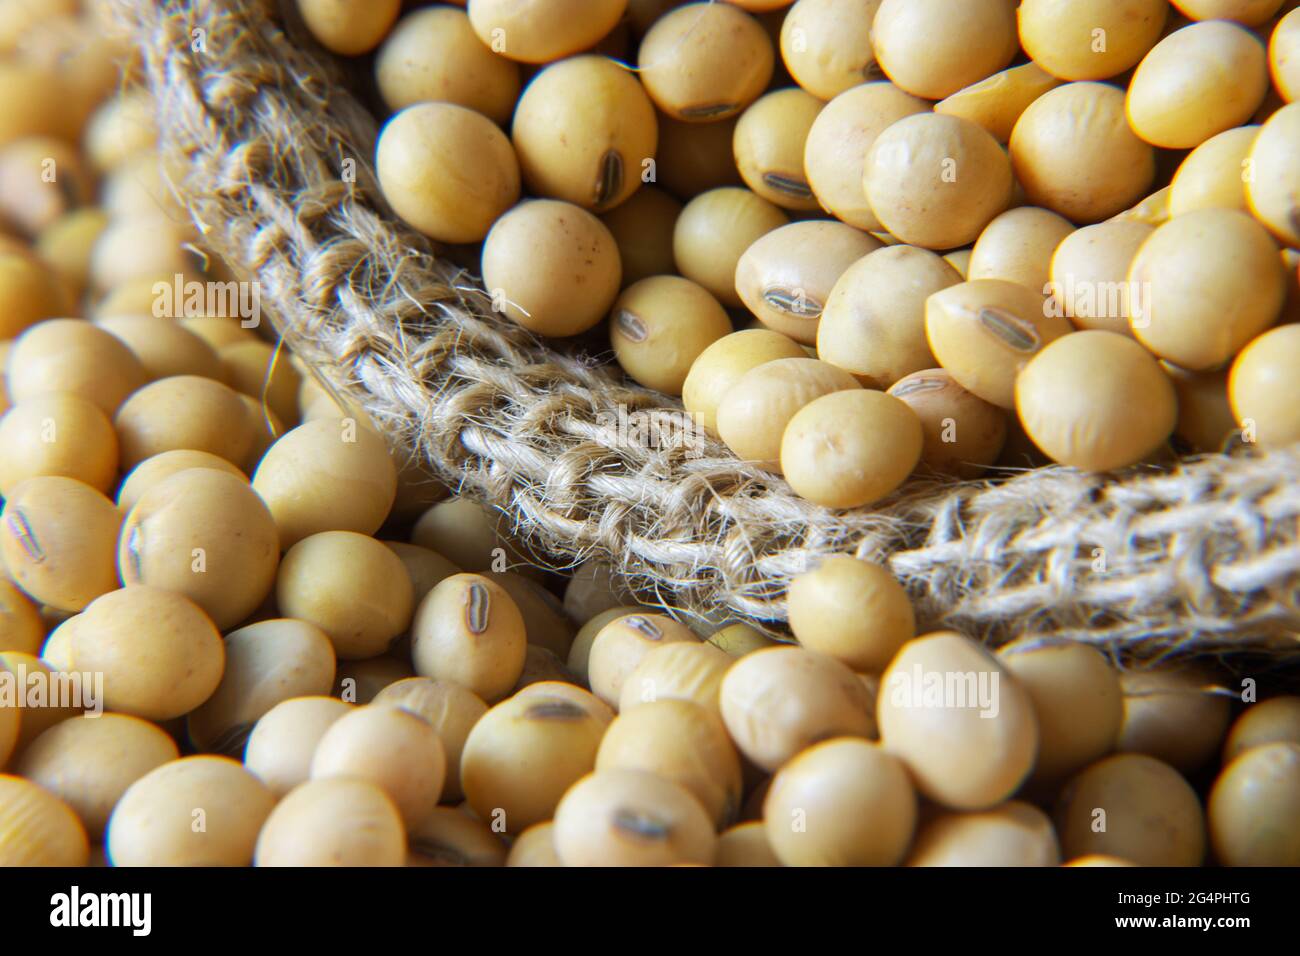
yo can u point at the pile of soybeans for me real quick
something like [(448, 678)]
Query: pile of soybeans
[(860, 240)]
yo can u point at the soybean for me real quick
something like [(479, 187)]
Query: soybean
[(180, 642), (961, 434), (469, 630), (1214, 174), (1096, 400), (280, 748), (1272, 190), (1061, 35), (704, 62), (534, 847), (1252, 13), (580, 650), (204, 534), (446, 170), (724, 362), (977, 38), (1017, 246), (1270, 721), (985, 331), (1174, 715), (786, 277), (523, 755), (1153, 817), (434, 54), (680, 671), (58, 541), (461, 530), (1078, 706), (338, 821), (37, 828), (873, 324), (1074, 153), (737, 640), (1251, 809), (618, 817), (776, 702), (351, 587), (1089, 274), (769, 147), (552, 267), (267, 663), (755, 411), (838, 142), (998, 102), (1199, 306), (90, 761), (1197, 81), (154, 824), (447, 837), (714, 230), (936, 180), (349, 29), (72, 357), (659, 326), (394, 749), (331, 474), (1284, 56), (539, 31), (57, 435), (745, 844), (584, 131), (959, 721), (826, 45), (852, 610), (1014, 834), (680, 741), (622, 644), (850, 448), (183, 411), (842, 802)]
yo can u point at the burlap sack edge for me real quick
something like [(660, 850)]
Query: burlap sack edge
[(256, 131)]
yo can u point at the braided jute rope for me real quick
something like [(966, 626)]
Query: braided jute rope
[(257, 132)]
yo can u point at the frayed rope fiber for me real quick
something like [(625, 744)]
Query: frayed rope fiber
[(256, 133)]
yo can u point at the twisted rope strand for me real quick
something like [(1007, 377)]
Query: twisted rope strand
[(1204, 559)]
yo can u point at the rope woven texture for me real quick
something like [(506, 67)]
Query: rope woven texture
[(256, 134)]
